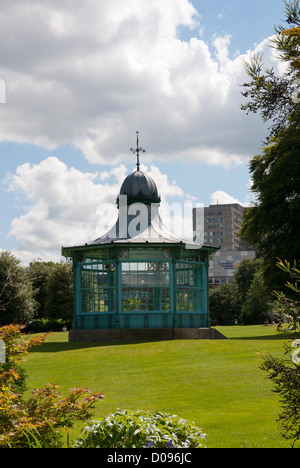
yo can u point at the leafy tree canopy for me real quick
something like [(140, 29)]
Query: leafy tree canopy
[(276, 96), (16, 293), (271, 224)]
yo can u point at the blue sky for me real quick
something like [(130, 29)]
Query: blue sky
[(248, 23), (80, 84)]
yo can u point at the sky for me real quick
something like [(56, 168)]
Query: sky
[(78, 79)]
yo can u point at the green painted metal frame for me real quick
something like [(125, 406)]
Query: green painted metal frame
[(122, 319)]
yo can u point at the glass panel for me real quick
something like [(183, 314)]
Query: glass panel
[(145, 286), (149, 254), (98, 255), (189, 287), (188, 255), (98, 288)]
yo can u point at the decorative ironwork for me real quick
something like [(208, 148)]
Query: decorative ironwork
[(137, 151)]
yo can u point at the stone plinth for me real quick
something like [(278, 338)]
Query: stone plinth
[(159, 334)]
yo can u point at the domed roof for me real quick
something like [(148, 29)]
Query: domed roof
[(139, 188)]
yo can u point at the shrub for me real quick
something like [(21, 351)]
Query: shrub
[(48, 325), (38, 421), (140, 429), (286, 381), (284, 374)]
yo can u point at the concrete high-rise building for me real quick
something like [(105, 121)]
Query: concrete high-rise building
[(222, 224), (219, 226)]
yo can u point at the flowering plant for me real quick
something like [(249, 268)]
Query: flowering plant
[(140, 429)]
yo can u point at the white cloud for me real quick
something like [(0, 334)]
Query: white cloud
[(2, 91), (222, 198), (62, 205), (93, 74), (166, 189), (68, 207)]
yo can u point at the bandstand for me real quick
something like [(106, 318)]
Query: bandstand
[(139, 281)]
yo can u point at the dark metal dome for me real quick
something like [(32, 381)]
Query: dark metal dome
[(139, 188)]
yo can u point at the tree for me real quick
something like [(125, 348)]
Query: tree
[(271, 224), (59, 290), (228, 299), (288, 307), (16, 293), (257, 305), (38, 273), (244, 275), (225, 303), (271, 94)]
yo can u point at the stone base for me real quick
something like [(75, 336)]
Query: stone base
[(147, 334)]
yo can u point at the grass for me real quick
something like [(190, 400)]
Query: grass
[(215, 383)]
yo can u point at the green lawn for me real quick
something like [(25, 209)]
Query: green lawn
[(215, 383)]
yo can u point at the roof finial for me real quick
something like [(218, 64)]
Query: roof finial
[(137, 151)]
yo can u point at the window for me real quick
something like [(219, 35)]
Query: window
[(145, 286), (189, 286), (97, 287)]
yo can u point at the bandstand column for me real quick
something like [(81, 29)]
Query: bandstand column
[(173, 291), (118, 291)]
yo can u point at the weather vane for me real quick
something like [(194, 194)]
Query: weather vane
[(137, 151)]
